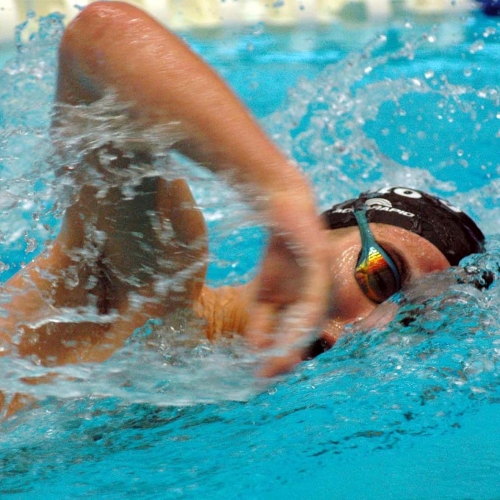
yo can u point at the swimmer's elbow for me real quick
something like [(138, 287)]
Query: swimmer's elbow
[(100, 50), (102, 25), (98, 16)]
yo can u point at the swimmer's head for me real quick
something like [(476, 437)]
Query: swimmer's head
[(449, 229), (452, 231), (414, 234)]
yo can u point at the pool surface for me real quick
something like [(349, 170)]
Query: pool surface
[(406, 410)]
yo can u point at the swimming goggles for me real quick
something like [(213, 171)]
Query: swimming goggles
[(376, 273)]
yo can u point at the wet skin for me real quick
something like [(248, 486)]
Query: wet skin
[(115, 46), (413, 255)]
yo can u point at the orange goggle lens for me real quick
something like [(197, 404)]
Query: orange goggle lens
[(375, 272)]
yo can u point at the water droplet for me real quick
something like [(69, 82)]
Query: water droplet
[(259, 29), (476, 46), (31, 245), (489, 31)]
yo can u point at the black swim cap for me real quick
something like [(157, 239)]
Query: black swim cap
[(452, 231)]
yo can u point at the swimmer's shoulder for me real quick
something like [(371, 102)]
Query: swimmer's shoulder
[(224, 310)]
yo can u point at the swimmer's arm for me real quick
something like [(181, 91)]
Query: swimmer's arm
[(114, 46), (58, 309)]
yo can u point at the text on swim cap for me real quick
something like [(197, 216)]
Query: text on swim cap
[(410, 193), (379, 208)]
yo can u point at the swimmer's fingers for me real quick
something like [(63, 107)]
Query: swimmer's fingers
[(279, 365), (290, 301), (262, 321), (285, 344), (276, 288)]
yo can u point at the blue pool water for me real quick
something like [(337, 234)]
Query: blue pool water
[(407, 410)]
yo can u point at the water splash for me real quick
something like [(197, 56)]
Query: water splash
[(327, 124), (392, 113), (26, 94)]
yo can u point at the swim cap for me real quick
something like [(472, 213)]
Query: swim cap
[(452, 231)]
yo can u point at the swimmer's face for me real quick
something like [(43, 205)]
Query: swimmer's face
[(413, 255)]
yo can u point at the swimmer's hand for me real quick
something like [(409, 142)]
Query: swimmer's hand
[(291, 291), (114, 45)]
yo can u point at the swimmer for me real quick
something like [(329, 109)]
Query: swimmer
[(112, 257)]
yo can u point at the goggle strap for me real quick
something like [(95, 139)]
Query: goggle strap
[(368, 241)]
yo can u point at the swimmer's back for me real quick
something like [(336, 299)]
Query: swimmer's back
[(224, 310)]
